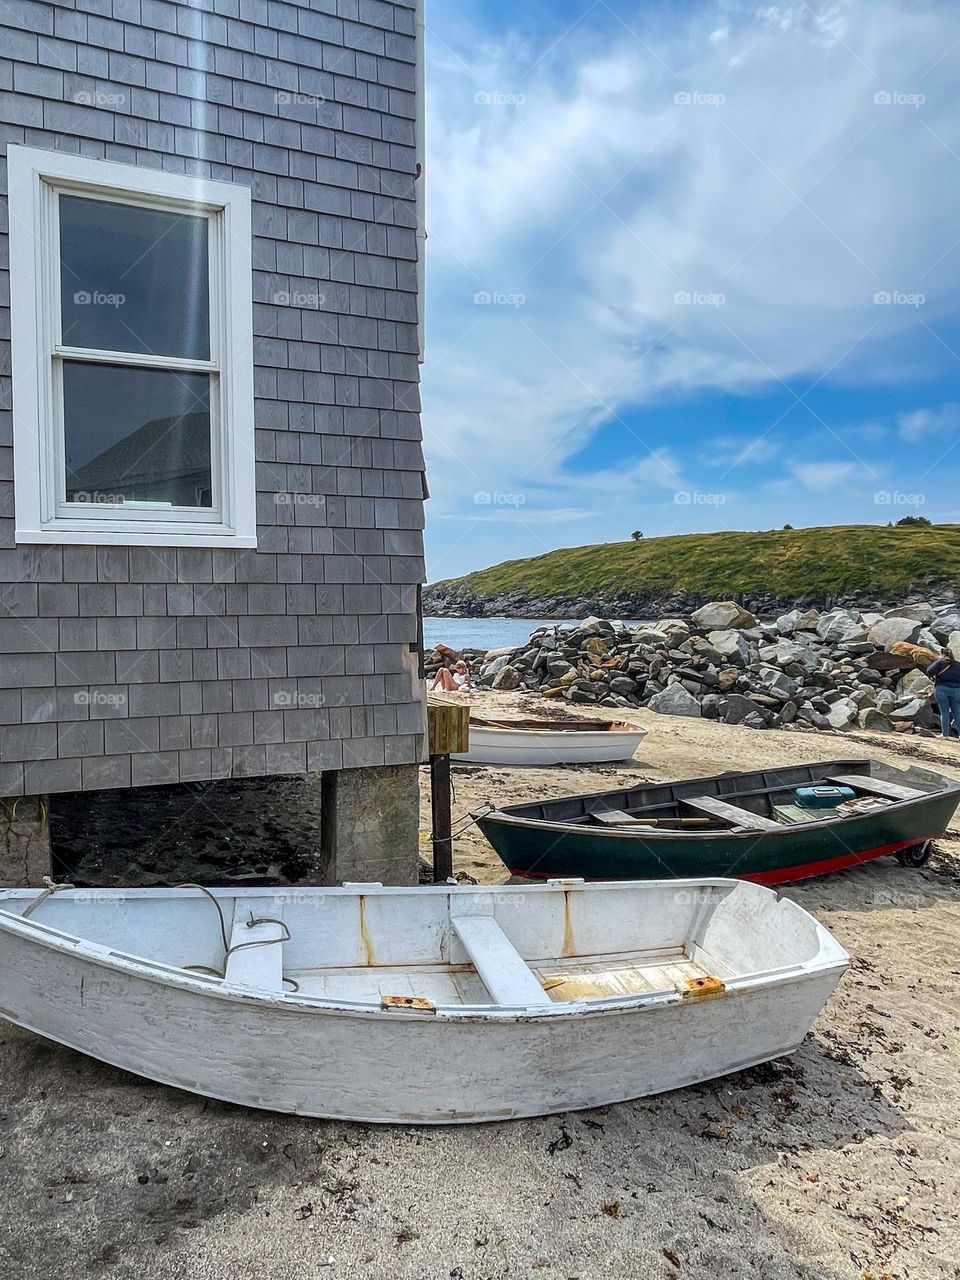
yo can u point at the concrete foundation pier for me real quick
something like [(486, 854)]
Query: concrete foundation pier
[(24, 842), (370, 825)]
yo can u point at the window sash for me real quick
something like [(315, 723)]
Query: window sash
[(36, 179), (97, 514)]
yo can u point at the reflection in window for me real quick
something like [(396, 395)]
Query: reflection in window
[(133, 279), (136, 435)]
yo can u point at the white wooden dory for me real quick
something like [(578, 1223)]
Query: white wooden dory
[(530, 742), (432, 1005)]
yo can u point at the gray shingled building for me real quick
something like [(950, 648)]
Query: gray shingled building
[(211, 481)]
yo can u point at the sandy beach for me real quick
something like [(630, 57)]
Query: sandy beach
[(838, 1162)]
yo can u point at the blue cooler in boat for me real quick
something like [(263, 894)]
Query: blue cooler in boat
[(823, 797)]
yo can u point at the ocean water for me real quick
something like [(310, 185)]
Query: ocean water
[(489, 633)]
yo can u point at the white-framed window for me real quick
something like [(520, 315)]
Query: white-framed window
[(132, 354)]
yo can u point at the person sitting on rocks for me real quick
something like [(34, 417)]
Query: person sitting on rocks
[(452, 677), (945, 672)]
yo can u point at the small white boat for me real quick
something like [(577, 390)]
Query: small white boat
[(549, 742), (427, 1005)]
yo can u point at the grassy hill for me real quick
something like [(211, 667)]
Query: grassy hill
[(785, 563)]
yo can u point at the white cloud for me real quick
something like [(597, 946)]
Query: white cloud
[(923, 423), (821, 476), (780, 211), (740, 451)]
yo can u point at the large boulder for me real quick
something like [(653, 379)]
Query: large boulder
[(808, 619), (730, 646), (842, 713), (915, 684), (721, 615), (918, 612), (675, 701), (778, 683), (839, 626), (789, 651), (920, 654), (507, 678), (596, 647), (737, 709), (944, 625), (491, 669), (786, 624), (891, 631), (872, 718)]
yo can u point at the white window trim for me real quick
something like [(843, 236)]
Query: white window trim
[(35, 289)]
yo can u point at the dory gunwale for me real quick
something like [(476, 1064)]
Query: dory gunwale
[(210, 984)]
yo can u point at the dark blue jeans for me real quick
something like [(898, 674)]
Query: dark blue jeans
[(948, 700)]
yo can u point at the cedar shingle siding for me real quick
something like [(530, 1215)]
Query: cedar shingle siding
[(126, 666)]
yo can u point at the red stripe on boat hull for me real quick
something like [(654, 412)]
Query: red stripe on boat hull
[(779, 875), (804, 870)]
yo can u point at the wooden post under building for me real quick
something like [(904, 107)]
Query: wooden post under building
[(448, 730)]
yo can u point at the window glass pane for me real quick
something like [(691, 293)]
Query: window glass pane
[(133, 279), (136, 435)]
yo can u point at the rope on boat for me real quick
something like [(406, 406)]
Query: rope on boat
[(473, 817), (229, 950), (51, 888)]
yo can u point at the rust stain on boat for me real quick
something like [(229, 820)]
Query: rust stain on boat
[(569, 941), (408, 1002), (368, 955), (703, 988)]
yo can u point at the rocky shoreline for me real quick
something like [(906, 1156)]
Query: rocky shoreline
[(451, 601), (839, 669)]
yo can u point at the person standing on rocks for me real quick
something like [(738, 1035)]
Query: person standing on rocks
[(946, 673)]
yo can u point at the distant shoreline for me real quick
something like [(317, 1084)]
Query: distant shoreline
[(441, 602)]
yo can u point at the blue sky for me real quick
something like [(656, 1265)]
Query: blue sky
[(691, 266)]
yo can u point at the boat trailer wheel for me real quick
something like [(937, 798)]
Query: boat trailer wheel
[(916, 855)]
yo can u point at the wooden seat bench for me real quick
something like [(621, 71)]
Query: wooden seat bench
[(877, 786), (260, 966), (731, 813), (502, 969)]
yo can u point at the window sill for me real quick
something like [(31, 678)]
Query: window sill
[(147, 537)]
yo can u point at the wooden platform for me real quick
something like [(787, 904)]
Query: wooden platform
[(878, 787), (730, 813), (448, 726)]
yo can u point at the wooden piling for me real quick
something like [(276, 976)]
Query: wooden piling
[(448, 730)]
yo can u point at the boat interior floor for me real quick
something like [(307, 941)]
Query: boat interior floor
[(570, 978)]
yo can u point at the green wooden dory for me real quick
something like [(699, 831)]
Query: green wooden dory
[(732, 824)]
